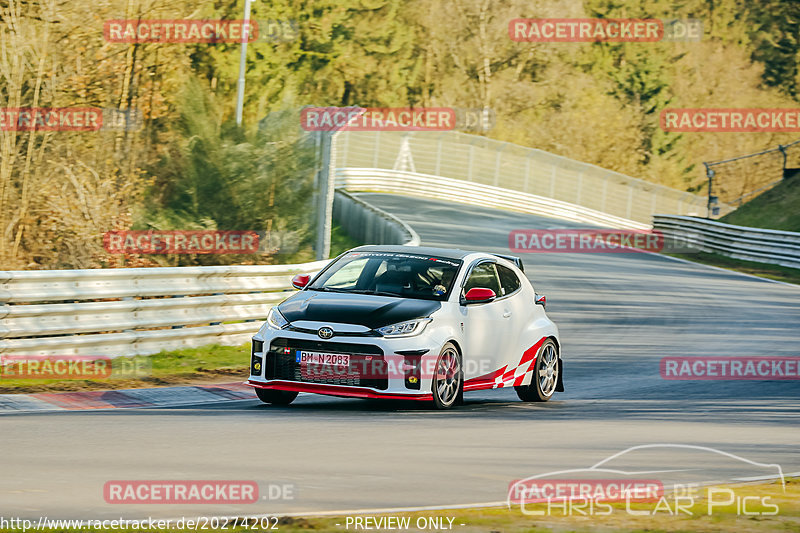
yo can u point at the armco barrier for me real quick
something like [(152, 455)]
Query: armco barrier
[(370, 225), (138, 311), (48, 312), (428, 186), (739, 242)]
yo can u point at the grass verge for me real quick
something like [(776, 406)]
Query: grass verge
[(191, 366), (764, 270), (656, 516), (762, 507), (341, 241), (776, 208), (207, 364)]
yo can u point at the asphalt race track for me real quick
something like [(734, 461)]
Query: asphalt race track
[(619, 314)]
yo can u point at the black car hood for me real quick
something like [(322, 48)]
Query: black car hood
[(364, 310)]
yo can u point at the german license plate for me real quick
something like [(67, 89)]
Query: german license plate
[(318, 358)]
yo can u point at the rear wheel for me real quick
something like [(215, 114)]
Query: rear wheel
[(545, 375), (448, 381), (276, 397)]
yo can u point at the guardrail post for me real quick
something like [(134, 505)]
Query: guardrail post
[(782, 148), (325, 199), (710, 175)]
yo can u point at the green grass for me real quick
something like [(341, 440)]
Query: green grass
[(206, 364), (693, 517), (778, 208), (213, 363), (341, 241)]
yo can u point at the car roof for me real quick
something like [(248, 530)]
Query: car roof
[(446, 253)]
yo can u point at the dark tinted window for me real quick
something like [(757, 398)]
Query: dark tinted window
[(390, 274), (508, 279), (483, 276)]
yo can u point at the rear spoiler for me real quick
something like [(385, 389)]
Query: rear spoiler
[(516, 260)]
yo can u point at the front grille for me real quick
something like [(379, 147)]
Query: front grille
[(370, 333), (367, 366)]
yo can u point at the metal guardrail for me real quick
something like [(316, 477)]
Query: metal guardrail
[(133, 311), (370, 225), (412, 183), (739, 242), (483, 161), (138, 311)]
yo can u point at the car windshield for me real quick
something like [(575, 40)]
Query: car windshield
[(390, 274)]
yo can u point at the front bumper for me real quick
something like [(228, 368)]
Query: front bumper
[(335, 390), (379, 367)]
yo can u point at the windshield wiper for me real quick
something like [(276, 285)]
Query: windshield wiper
[(355, 291), (375, 293)]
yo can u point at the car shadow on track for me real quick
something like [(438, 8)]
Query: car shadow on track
[(761, 412)]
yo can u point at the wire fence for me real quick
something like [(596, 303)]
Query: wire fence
[(739, 179), (485, 161)]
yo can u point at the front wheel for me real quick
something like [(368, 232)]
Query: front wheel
[(448, 381), (276, 397), (545, 375)]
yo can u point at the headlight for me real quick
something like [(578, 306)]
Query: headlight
[(405, 329), (276, 320)]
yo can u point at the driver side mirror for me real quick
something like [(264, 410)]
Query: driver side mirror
[(300, 281), (478, 295), (541, 299)]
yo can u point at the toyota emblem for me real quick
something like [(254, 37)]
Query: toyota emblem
[(325, 333)]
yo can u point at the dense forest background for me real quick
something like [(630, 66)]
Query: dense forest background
[(189, 167)]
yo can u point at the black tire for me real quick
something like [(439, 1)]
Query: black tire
[(276, 397), (545, 375), (447, 386)]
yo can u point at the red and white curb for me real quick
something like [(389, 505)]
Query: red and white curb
[(124, 398)]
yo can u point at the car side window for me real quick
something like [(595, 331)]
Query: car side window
[(483, 276), (508, 279)]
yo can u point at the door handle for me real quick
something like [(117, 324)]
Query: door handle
[(507, 314)]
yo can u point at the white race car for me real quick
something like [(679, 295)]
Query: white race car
[(409, 323)]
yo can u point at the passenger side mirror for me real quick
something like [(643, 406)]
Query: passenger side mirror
[(478, 295), (300, 281), (541, 299)]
